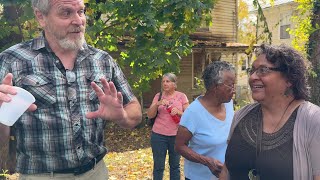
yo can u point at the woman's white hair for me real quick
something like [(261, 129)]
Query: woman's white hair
[(172, 77)]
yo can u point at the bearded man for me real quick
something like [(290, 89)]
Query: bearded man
[(77, 89)]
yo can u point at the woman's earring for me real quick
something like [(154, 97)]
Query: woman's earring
[(288, 92)]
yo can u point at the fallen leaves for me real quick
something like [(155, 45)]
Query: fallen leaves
[(130, 155), (130, 165)]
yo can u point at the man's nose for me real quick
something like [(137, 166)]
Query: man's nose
[(78, 19)]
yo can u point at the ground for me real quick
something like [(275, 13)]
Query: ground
[(130, 156)]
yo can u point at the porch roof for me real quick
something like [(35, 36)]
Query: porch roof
[(230, 47)]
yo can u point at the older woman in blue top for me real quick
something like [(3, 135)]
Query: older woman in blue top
[(204, 127)]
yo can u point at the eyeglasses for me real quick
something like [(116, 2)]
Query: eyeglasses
[(262, 71), (229, 86)]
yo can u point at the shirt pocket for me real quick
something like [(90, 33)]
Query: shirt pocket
[(95, 77), (41, 86)]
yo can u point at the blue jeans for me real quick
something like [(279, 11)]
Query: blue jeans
[(160, 144)]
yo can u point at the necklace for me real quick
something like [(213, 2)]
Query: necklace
[(284, 112), (254, 173)]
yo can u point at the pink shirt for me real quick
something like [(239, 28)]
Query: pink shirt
[(164, 124)]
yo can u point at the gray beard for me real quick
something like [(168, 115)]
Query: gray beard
[(71, 45)]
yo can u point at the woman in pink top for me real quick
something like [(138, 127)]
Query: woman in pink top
[(170, 108)]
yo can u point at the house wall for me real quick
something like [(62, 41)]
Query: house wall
[(223, 29), (184, 82), (273, 15), (224, 23), (191, 66)]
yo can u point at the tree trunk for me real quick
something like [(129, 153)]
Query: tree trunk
[(11, 13), (314, 55), (8, 157)]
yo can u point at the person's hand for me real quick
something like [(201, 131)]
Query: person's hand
[(7, 88), (111, 103), (163, 102), (175, 111), (214, 165)]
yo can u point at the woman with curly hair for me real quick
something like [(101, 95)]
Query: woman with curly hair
[(278, 136)]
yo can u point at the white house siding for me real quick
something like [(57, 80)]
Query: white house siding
[(273, 15)]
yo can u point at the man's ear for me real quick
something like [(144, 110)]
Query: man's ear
[(40, 17)]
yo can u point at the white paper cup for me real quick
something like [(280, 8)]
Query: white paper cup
[(11, 111)]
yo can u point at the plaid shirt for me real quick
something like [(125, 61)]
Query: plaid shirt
[(57, 135)]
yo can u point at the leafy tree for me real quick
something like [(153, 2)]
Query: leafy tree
[(253, 29), (154, 33), (149, 35), (303, 28), (314, 51), (247, 24), (306, 40), (265, 35), (16, 22)]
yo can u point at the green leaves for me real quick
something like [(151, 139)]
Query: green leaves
[(155, 33), (16, 22), (149, 35)]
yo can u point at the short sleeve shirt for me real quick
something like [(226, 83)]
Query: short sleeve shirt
[(209, 137), (58, 135), (164, 124)]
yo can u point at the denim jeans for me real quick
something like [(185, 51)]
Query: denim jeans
[(160, 144)]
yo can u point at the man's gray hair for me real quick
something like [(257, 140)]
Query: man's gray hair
[(42, 5), (213, 73)]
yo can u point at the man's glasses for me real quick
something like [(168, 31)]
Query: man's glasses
[(262, 71)]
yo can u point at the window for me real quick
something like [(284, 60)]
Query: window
[(284, 25), (284, 34), (244, 63)]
